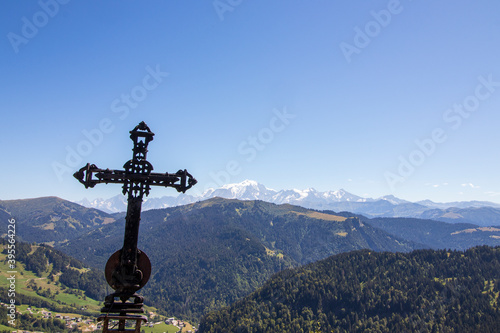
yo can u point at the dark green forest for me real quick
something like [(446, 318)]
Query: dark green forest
[(207, 255), (366, 291)]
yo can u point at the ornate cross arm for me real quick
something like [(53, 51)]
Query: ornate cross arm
[(90, 175)]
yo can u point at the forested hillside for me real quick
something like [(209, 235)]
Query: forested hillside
[(53, 267), (209, 254), (50, 219), (48, 286), (439, 235), (365, 291)]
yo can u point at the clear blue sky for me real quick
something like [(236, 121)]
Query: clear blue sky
[(380, 97)]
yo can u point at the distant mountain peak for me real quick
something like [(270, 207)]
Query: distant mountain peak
[(334, 200), (393, 200), (245, 183)]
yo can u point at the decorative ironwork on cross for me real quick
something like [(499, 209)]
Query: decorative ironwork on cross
[(137, 177), (128, 269)]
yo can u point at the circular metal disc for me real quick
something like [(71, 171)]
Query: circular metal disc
[(143, 264)]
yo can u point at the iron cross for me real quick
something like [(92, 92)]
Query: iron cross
[(128, 269)]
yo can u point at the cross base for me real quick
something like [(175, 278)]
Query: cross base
[(122, 323), (123, 311)]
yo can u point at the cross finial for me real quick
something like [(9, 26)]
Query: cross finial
[(137, 176)]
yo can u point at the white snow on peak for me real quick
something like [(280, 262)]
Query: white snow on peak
[(245, 190), (393, 200), (244, 183)]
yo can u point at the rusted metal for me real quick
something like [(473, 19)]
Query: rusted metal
[(122, 321), (129, 269), (143, 264)]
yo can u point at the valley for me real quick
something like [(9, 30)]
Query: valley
[(208, 255)]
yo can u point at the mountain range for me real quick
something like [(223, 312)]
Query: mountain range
[(50, 220), (208, 254), (481, 213)]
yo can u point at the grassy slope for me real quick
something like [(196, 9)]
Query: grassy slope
[(65, 297), (23, 276)]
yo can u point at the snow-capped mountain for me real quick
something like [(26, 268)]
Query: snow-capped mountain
[(340, 200), (246, 190), (116, 204), (393, 200)]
